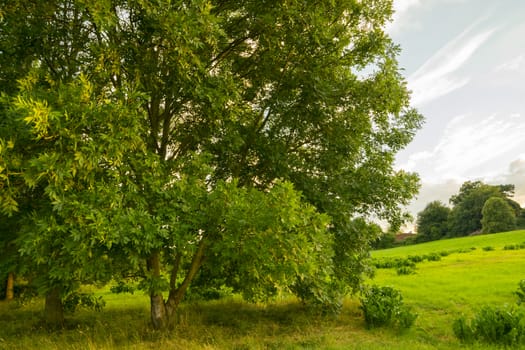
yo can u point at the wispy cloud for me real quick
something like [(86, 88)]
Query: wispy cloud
[(470, 147), (435, 77), (401, 9), (404, 8), (516, 64)]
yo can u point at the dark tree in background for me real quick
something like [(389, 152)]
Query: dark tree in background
[(498, 216), (432, 222), (466, 214)]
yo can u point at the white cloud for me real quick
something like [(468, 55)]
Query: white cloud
[(515, 175), (517, 64), (399, 19), (471, 147), (404, 8), (435, 77)]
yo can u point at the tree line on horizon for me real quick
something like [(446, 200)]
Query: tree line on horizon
[(476, 208)]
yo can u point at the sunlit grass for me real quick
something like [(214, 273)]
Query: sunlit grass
[(497, 241), (460, 283)]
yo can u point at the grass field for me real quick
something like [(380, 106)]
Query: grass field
[(439, 291)]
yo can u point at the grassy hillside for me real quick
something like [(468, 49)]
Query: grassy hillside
[(478, 271), (439, 291), (497, 241)]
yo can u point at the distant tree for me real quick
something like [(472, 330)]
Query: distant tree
[(520, 219), (432, 222), (386, 240), (498, 216), (466, 214)]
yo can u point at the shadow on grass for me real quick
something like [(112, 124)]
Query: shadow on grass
[(219, 324)]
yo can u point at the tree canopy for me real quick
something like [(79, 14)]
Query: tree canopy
[(468, 204), (432, 222), (498, 216), (168, 139)]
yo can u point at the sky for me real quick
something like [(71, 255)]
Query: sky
[(464, 61)]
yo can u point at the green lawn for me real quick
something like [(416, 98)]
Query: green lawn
[(460, 283), (497, 241), (439, 292)]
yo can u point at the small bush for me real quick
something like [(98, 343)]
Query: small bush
[(208, 293), (85, 300), (416, 258), (389, 263), (444, 253), (521, 292), (488, 249), (503, 326), (463, 330), (511, 247), (433, 257), (122, 287), (383, 306), (406, 270), (465, 250)]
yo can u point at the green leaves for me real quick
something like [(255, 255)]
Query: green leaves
[(235, 136), (498, 216), (432, 222)]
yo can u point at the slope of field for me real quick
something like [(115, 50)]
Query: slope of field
[(498, 241), (478, 271)]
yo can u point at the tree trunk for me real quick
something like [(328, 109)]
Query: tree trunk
[(176, 294), (159, 316), (10, 291), (162, 313), (54, 310)]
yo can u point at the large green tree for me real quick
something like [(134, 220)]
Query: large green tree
[(468, 204), (498, 216), (432, 222), (171, 133)]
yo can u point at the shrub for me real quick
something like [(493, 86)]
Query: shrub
[(122, 287), (488, 249), (208, 293), (406, 270), (463, 330), (388, 263), (85, 300), (383, 306), (510, 247), (504, 326), (416, 258), (521, 292), (433, 257), (465, 250)]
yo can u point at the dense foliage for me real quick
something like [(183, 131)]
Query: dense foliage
[(468, 205), (383, 306), (493, 325), (467, 213), (498, 216), (235, 143), (432, 222)]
